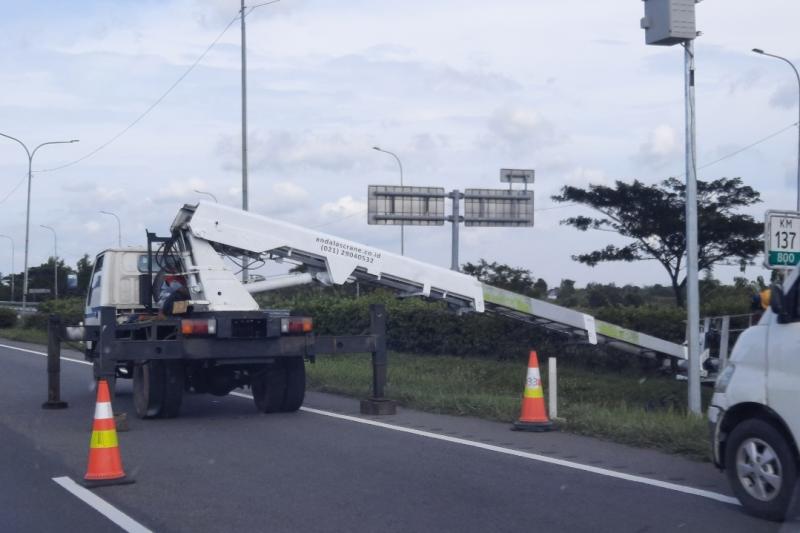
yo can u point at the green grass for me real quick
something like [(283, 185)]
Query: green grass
[(34, 336), (625, 408)]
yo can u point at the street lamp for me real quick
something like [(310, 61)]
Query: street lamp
[(55, 260), (119, 227), (797, 75), (12, 264), (28, 209), (402, 226), (207, 194)]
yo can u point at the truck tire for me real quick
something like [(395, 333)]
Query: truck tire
[(174, 379), (269, 388), (148, 389), (295, 384), (762, 469)]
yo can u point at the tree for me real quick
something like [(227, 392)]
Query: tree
[(503, 276), (653, 217), (85, 266)]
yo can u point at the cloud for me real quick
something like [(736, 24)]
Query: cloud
[(518, 129), (660, 149), (345, 206), (784, 97)]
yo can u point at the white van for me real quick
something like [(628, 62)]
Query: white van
[(755, 411)]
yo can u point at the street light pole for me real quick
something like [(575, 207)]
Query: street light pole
[(30, 155), (119, 227), (402, 226), (55, 260), (797, 75), (12, 265), (207, 194)]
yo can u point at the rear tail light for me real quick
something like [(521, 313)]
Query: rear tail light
[(296, 324), (199, 326)]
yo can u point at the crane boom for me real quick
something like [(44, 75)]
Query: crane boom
[(335, 260)]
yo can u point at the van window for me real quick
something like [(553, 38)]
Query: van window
[(93, 296), (142, 263)]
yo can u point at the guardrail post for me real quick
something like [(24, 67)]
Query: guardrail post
[(724, 341), (378, 404), (54, 364)]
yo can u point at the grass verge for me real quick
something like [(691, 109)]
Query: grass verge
[(624, 408), (35, 336)]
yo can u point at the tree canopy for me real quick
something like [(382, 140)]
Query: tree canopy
[(653, 217)]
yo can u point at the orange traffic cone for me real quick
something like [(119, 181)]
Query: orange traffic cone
[(105, 463), (534, 415)]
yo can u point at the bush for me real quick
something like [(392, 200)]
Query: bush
[(8, 318), (70, 310)]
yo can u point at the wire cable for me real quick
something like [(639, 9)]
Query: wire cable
[(12, 191), (152, 106)]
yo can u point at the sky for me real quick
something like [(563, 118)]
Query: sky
[(457, 89)]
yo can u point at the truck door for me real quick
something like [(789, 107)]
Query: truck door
[(783, 363), (94, 294)]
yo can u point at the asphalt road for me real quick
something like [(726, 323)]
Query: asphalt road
[(222, 466)]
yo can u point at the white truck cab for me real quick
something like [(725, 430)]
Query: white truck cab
[(115, 282), (755, 410)]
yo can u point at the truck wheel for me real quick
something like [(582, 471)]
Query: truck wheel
[(174, 379), (269, 388), (761, 468), (148, 389), (295, 384)]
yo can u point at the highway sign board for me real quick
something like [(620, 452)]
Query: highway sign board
[(781, 239), (498, 207), (516, 175), (411, 206)]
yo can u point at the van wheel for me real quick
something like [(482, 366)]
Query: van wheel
[(295, 384), (148, 389), (174, 379), (269, 387), (761, 468)]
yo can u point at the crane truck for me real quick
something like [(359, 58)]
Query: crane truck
[(173, 317)]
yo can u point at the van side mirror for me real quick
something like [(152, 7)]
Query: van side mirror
[(145, 290)]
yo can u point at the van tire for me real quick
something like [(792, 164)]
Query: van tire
[(148, 389), (760, 435)]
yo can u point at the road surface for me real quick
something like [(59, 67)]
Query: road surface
[(222, 466)]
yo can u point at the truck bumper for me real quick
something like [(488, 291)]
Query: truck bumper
[(715, 417)]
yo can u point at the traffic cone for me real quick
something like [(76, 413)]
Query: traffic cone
[(105, 463), (534, 414)]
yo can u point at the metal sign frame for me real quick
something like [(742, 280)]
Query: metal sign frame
[(498, 208), (391, 205), (517, 175), (792, 239)]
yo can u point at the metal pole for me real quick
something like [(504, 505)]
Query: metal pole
[(245, 275), (552, 387), (692, 287), (724, 341), (119, 227), (55, 261), (28, 209), (797, 75), (402, 225), (54, 364), (12, 265), (455, 219)]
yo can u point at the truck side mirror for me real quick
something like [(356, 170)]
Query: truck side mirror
[(776, 301)]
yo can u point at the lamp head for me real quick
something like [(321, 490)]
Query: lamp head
[(377, 148), (758, 50)]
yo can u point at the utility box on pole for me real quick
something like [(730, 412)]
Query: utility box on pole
[(668, 22)]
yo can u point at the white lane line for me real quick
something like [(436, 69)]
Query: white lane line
[(525, 455), (489, 447), (101, 506), (44, 354)]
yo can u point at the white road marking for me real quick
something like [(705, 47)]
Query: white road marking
[(44, 354), (525, 455), (101, 506), (489, 447)]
